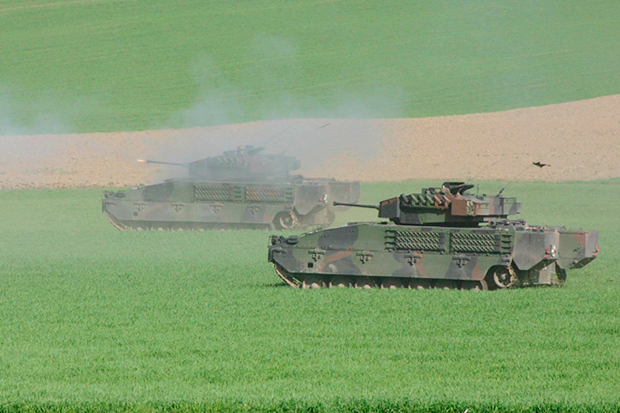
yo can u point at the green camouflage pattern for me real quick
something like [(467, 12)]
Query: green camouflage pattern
[(448, 253), (239, 189)]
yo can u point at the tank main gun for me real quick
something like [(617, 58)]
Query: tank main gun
[(448, 205), (335, 203), (184, 165)]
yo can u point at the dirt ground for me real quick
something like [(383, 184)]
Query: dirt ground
[(580, 140)]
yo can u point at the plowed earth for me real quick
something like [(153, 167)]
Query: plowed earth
[(580, 140)]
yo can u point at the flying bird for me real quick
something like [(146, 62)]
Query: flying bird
[(540, 165)]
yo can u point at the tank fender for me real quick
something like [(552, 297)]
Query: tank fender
[(577, 248), (533, 247), (310, 197)]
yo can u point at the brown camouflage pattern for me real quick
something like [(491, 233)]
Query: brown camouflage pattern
[(498, 254)]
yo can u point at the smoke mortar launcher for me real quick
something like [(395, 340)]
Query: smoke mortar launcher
[(442, 237)]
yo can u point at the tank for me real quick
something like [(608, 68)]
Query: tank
[(243, 188), (442, 237)]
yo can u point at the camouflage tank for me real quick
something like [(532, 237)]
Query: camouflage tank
[(239, 189), (439, 238)]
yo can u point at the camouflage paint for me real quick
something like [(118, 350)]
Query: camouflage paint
[(498, 254)]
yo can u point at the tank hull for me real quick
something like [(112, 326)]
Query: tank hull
[(199, 205), (402, 256)]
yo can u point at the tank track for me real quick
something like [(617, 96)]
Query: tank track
[(313, 281)]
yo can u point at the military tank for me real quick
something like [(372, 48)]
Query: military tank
[(440, 238), (242, 188)]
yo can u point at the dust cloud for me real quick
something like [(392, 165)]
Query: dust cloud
[(291, 122), (581, 141), (46, 154)]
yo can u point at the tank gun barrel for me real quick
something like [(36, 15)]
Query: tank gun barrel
[(164, 163), (335, 203)]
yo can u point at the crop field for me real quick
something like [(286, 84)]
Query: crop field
[(93, 319), (119, 65)]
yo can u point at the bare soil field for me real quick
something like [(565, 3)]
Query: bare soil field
[(580, 140)]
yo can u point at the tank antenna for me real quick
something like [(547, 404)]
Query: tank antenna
[(513, 179), (305, 135), (521, 173), (279, 133)]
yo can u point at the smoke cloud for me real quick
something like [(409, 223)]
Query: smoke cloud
[(272, 73)]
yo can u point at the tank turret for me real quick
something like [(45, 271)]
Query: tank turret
[(449, 205), (245, 163)]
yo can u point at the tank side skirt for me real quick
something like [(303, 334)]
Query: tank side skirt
[(367, 258), (201, 214), (402, 264), (446, 261)]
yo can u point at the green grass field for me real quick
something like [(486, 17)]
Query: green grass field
[(109, 65), (93, 319)]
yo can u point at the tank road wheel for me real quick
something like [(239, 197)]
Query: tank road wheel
[(285, 220), (338, 281), (420, 284), (501, 277), (312, 282), (391, 284), (366, 283)]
